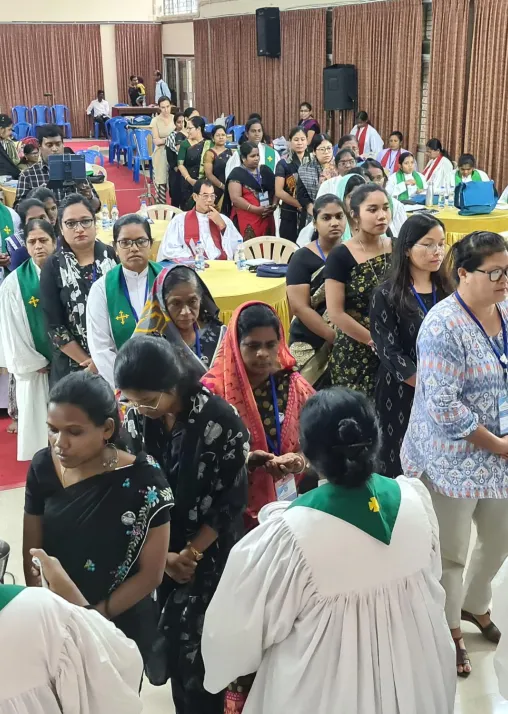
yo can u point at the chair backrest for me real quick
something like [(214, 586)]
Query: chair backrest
[(21, 114), (229, 122), (120, 105), (141, 143), (279, 250), (98, 169), (61, 114), (91, 156), (209, 127), (121, 127), (41, 114), (143, 120), (237, 131), (21, 130), (162, 212), (110, 129)]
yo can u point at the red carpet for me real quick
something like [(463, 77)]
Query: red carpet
[(12, 472)]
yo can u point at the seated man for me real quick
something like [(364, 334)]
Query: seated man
[(467, 170), (99, 111), (116, 300), (9, 158), (217, 233)]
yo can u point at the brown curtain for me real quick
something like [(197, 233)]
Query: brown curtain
[(384, 41), (448, 67), (138, 51), (486, 133), (239, 82), (39, 59)]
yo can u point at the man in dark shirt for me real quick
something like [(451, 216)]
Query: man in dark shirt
[(134, 92), (9, 159)]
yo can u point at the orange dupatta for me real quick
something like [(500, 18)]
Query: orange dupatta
[(229, 380)]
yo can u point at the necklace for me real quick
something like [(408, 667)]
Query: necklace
[(109, 463), (369, 259)]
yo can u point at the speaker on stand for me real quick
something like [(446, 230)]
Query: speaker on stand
[(340, 90), (268, 31)]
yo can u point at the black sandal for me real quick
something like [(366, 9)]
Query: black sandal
[(462, 658), (491, 632)]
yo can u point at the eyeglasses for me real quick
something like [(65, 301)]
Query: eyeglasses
[(127, 243), (84, 223), (494, 275), (324, 149), (207, 196), (137, 406), (432, 248), (347, 162)]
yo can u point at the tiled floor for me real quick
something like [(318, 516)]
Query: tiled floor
[(477, 695)]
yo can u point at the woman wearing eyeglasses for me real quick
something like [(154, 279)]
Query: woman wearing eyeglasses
[(312, 174), (116, 300), (398, 307), (66, 279), (456, 440)]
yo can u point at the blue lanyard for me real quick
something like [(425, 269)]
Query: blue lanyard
[(275, 448), (320, 251), (197, 345), (502, 358), (420, 301), (123, 283)]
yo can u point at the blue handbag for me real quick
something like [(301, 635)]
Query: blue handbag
[(475, 198)]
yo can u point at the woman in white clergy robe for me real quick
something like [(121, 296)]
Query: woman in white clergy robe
[(204, 223), (58, 657), (370, 142), (439, 168), (466, 171), (267, 156), (334, 600), (25, 349), (407, 181), (116, 300)]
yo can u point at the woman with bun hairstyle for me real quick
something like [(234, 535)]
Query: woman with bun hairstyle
[(340, 587), (439, 168)]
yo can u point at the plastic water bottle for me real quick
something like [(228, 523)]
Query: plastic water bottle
[(451, 197), (199, 261), (143, 211), (441, 197), (115, 214), (240, 256), (105, 217), (429, 195)]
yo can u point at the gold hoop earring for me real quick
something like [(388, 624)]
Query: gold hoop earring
[(112, 461)]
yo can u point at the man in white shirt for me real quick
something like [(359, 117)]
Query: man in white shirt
[(161, 87), (115, 304), (99, 111), (369, 141), (204, 223)]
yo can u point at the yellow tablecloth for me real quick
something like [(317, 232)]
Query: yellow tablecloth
[(158, 230), (459, 226), (105, 191)]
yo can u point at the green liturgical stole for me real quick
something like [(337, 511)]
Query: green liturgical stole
[(6, 227), (417, 179), (8, 593), (30, 287), (475, 176)]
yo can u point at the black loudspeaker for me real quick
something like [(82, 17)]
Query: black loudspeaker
[(340, 86), (268, 31)]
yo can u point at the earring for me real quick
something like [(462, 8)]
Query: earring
[(112, 461)]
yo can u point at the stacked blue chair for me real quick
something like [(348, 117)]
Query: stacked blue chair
[(209, 127), (21, 114), (237, 131), (229, 122), (41, 115), (141, 120), (123, 146), (112, 132), (91, 156), (142, 153), (21, 130), (121, 105), (61, 116)]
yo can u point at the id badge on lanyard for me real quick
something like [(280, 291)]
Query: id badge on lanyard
[(286, 488), (264, 199)]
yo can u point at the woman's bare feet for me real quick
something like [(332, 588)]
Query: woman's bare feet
[(463, 661), (13, 427)]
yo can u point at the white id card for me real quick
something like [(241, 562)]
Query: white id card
[(264, 199), (503, 414), (286, 488)]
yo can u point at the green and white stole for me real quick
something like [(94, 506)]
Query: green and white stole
[(6, 227), (8, 593), (30, 287), (123, 321), (373, 508), (475, 176), (418, 181)]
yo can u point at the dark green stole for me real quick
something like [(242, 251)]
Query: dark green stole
[(8, 593), (6, 227), (475, 176), (373, 508), (400, 179), (123, 323), (270, 158), (30, 287)]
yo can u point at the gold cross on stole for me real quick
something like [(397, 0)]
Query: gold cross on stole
[(122, 317), (33, 301)]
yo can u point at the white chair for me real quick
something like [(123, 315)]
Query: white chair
[(98, 169), (279, 250), (163, 212)]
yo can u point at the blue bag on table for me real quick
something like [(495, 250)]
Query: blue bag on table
[(475, 198)]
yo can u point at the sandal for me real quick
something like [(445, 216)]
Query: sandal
[(491, 632), (462, 658)]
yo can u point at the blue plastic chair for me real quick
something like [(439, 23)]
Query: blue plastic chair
[(142, 120), (123, 145), (21, 114), (91, 156), (142, 154), (230, 120), (61, 117), (112, 132), (237, 131), (41, 115), (209, 127), (335, 150), (21, 130), (121, 105)]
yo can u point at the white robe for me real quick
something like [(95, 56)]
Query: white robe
[(392, 165), (395, 189), (102, 346), (373, 141), (504, 196), (483, 176), (56, 657), (19, 356), (234, 160), (331, 619), (173, 244), (443, 174)]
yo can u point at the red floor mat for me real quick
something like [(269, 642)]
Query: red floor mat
[(12, 472)]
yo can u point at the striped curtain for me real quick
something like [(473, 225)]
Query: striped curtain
[(138, 51)]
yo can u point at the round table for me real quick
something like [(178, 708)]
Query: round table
[(459, 226), (105, 192), (158, 229)]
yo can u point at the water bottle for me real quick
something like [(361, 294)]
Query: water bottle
[(199, 260), (105, 217), (451, 197), (115, 214), (143, 211), (240, 255), (441, 197), (429, 195)]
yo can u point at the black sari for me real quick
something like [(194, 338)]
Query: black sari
[(97, 528), (190, 156)]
